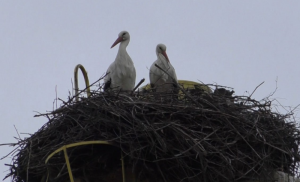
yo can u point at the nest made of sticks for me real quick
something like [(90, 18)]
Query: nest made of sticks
[(196, 136)]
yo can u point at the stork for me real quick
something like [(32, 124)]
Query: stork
[(121, 73), (159, 80)]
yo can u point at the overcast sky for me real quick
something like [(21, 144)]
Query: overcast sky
[(233, 43)]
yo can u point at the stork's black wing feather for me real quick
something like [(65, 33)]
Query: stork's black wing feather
[(107, 85)]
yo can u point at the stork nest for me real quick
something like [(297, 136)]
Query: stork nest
[(191, 136)]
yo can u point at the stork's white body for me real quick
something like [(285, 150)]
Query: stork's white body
[(159, 80), (121, 73)]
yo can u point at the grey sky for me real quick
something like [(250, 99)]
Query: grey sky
[(233, 43)]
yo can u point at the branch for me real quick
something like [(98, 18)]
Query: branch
[(142, 81), (256, 88)]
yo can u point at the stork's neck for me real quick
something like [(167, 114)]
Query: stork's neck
[(122, 56), (163, 60), (122, 47)]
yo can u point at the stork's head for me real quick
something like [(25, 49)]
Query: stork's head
[(161, 50), (122, 37)]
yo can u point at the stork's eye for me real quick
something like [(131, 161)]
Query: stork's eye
[(124, 34), (160, 48)]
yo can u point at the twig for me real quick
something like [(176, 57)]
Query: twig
[(87, 87), (256, 88), (56, 95), (142, 81), (17, 132), (70, 100)]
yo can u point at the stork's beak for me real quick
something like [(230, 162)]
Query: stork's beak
[(166, 56), (120, 39)]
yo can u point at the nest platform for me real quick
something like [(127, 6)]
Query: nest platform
[(196, 136)]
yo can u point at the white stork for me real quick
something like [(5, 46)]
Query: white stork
[(159, 80), (121, 73)]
